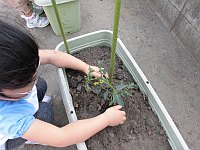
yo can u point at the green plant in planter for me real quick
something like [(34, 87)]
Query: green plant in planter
[(112, 93)]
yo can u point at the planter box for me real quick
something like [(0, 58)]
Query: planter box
[(104, 38), (69, 11)]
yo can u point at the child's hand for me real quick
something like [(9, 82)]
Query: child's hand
[(115, 116), (96, 72)]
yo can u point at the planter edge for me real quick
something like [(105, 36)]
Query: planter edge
[(104, 38)]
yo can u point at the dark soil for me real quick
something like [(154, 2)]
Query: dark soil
[(142, 129)]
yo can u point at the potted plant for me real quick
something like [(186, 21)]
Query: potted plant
[(105, 38)]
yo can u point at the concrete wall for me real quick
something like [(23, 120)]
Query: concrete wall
[(181, 17)]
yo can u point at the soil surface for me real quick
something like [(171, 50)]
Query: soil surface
[(142, 129)]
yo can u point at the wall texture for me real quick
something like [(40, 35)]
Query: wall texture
[(182, 18)]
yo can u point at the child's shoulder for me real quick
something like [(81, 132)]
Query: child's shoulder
[(16, 106), (15, 117), (2, 104)]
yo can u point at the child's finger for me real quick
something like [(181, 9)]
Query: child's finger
[(96, 74), (117, 107), (123, 113), (106, 75)]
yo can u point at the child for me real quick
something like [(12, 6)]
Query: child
[(30, 12), (24, 116)]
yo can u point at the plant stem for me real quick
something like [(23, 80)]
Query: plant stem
[(110, 85), (114, 40), (60, 25)]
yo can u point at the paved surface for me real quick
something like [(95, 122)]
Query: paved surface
[(182, 18), (173, 73)]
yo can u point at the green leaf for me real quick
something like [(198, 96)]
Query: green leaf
[(121, 87), (111, 103), (100, 63), (105, 95), (87, 87), (118, 99), (122, 94), (96, 90), (134, 86), (127, 93)]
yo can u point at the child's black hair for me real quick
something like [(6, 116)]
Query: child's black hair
[(19, 57)]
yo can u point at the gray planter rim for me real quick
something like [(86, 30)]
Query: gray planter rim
[(104, 38)]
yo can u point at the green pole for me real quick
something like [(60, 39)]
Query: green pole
[(114, 40), (60, 25)]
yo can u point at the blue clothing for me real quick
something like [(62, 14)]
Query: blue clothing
[(17, 116)]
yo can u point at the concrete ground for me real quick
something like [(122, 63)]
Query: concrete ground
[(172, 71)]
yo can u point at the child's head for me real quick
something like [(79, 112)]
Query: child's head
[(18, 58)]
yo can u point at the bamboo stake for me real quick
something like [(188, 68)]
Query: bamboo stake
[(114, 40), (60, 25)]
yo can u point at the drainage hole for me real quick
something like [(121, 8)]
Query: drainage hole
[(147, 82), (71, 112)]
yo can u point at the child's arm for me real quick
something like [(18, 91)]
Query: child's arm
[(61, 59), (75, 132)]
